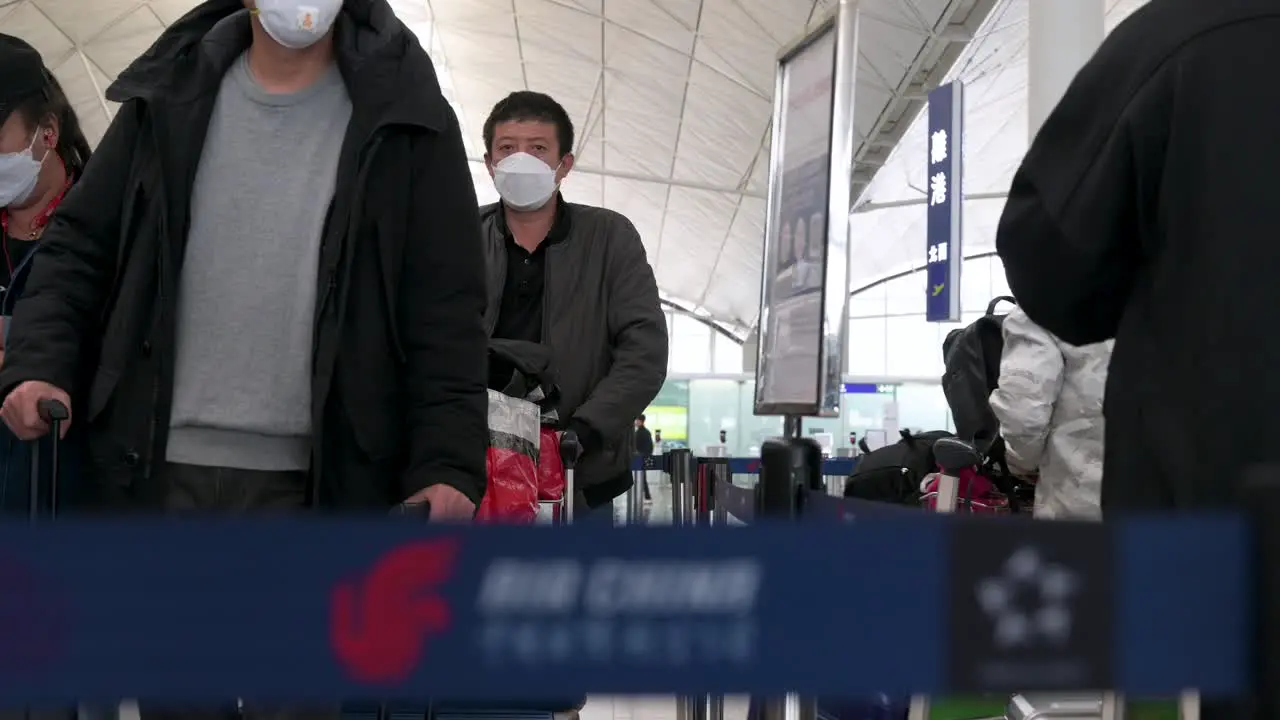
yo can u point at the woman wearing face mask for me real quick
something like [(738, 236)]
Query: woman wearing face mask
[(42, 152)]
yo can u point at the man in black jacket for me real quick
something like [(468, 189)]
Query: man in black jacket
[(574, 278), (267, 290), (644, 440)]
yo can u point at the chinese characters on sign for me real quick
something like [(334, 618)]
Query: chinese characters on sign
[(944, 257)]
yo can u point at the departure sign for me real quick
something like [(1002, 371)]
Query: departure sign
[(945, 184)]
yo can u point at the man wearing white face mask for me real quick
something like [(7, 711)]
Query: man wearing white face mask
[(267, 291), (575, 279)]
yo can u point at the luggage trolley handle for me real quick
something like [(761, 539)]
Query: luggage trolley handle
[(570, 454), (55, 413)]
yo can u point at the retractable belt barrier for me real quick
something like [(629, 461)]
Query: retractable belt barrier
[(326, 610)]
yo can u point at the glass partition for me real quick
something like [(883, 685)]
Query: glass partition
[(923, 407), (667, 417), (714, 405), (754, 430)]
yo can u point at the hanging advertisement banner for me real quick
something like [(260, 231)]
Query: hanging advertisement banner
[(804, 290), (945, 230)]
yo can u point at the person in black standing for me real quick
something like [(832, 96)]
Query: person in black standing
[(644, 440), (644, 449)]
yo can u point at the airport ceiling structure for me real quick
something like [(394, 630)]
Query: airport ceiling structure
[(671, 100)]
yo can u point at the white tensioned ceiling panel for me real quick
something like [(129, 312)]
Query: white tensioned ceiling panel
[(670, 98), (672, 102), (888, 233)]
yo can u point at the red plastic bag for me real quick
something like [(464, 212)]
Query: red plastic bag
[(977, 494), (514, 438), (550, 466)]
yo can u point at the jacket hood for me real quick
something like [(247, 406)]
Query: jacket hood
[(381, 60)]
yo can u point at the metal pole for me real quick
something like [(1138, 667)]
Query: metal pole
[(776, 491), (1189, 705), (791, 426), (715, 707), (718, 469), (787, 468), (570, 452), (790, 707), (1112, 706), (635, 496), (1261, 496), (700, 494), (681, 469), (709, 469)]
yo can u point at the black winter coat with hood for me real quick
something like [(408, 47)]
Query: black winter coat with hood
[(399, 396), (1143, 212)]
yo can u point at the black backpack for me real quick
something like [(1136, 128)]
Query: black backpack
[(971, 356), (893, 473)]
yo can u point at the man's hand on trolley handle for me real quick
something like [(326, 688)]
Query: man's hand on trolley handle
[(21, 411), (446, 503)]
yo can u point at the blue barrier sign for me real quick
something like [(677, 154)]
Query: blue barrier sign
[(866, 388), (199, 612), (944, 253)]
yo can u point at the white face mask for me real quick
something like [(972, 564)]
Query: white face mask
[(524, 182), (19, 173), (298, 24)]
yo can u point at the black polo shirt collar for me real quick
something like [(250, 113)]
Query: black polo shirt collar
[(559, 227)]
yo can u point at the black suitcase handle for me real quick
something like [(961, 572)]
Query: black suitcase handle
[(55, 413), (991, 308)]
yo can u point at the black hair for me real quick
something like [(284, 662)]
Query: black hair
[(641, 417), (525, 106), (73, 147)]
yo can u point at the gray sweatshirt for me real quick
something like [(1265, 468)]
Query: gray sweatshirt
[(247, 291)]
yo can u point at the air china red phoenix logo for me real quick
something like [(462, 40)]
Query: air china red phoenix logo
[(379, 624)]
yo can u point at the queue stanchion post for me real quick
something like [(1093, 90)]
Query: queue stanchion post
[(776, 489), (681, 469), (788, 467), (718, 472), (1261, 498), (570, 453), (806, 465), (686, 478), (635, 495), (701, 514), (952, 456), (708, 475)]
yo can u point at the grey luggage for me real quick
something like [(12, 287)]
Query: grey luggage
[(1079, 706)]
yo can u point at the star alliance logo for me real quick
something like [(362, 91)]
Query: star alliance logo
[(1029, 601)]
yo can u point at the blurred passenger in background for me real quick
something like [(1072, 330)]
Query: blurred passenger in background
[(644, 440), (644, 449), (42, 154), (1049, 404), (574, 278)]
